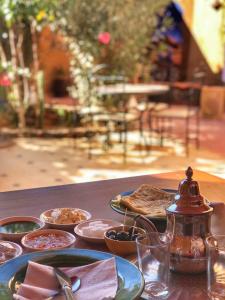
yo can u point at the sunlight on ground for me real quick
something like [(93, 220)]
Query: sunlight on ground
[(36, 162)]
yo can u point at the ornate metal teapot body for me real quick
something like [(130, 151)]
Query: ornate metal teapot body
[(188, 225)]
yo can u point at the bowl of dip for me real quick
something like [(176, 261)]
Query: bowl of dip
[(14, 228), (9, 250), (48, 239), (64, 218)]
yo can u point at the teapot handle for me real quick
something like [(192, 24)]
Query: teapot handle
[(145, 223)]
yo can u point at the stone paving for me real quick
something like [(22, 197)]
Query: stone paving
[(38, 162)]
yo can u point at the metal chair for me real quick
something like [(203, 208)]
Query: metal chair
[(122, 118), (161, 122), (95, 119)]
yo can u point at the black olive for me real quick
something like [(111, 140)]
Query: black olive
[(112, 236), (122, 236), (111, 232)]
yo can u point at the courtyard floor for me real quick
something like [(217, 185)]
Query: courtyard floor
[(38, 162)]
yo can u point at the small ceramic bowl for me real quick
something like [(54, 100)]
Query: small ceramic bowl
[(16, 237), (90, 230), (67, 227), (46, 239), (17, 247), (122, 248)]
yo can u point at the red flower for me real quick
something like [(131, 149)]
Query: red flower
[(104, 38), (4, 80)]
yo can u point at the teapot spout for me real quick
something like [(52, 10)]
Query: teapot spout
[(145, 223)]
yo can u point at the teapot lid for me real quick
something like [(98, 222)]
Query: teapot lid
[(188, 200)]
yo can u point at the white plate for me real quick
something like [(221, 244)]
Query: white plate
[(93, 236)]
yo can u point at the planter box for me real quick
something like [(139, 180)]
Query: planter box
[(213, 101)]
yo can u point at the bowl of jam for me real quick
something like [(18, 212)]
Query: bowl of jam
[(14, 228)]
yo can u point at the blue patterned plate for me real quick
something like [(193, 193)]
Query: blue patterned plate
[(130, 279)]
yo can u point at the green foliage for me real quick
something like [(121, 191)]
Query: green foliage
[(19, 16), (130, 24), (20, 23), (20, 11)]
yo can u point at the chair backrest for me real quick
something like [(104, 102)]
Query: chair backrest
[(189, 95), (166, 97), (194, 97), (118, 99)]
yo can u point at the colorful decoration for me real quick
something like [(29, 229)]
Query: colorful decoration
[(4, 80), (104, 38)]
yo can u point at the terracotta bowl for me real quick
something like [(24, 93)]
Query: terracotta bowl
[(16, 237), (122, 248), (18, 248), (67, 227), (45, 232)]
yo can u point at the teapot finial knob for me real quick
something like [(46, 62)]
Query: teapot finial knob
[(189, 173)]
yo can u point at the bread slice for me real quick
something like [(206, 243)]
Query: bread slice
[(148, 200)]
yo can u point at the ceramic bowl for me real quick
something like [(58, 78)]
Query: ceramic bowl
[(67, 227), (122, 248), (70, 239), (17, 247), (87, 230), (16, 237)]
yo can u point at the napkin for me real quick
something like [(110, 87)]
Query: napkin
[(98, 281)]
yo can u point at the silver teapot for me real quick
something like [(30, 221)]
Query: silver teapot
[(188, 226)]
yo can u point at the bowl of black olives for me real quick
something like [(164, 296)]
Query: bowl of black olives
[(121, 240)]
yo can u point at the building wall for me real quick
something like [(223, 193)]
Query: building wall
[(206, 28), (187, 7), (204, 49), (54, 59)]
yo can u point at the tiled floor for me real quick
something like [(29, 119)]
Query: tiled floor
[(36, 162)]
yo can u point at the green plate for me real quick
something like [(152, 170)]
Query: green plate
[(131, 282), (121, 209)]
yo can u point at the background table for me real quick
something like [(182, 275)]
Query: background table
[(95, 196), (133, 89)]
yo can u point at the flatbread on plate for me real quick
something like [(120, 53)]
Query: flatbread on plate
[(148, 200)]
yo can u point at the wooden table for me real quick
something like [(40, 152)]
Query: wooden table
[(95, 196), (133, 89)]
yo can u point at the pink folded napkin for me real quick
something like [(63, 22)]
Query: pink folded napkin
[(98, 281)]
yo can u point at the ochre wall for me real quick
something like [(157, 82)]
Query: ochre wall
[(53, 56), (187, 7), (204, 23)]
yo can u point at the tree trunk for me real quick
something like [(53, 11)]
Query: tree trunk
[(16, 84), (22, 120), (37, 99), (25, 82)]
